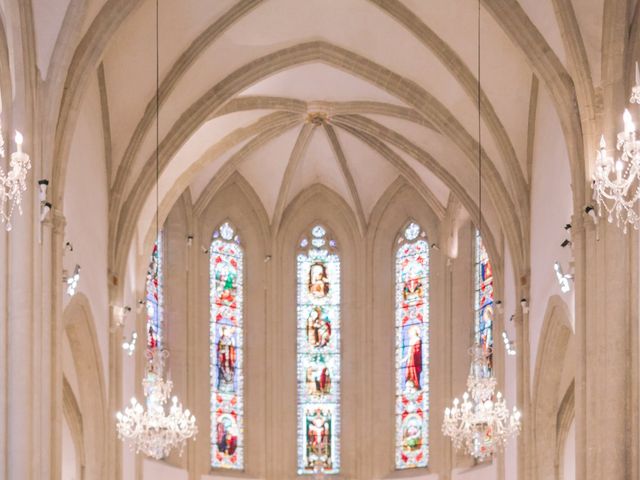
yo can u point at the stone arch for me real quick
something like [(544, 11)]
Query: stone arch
[(73, 417), (332, 55), (80, 330), (237, 203), (552, 359), (399, 204), (316, 204), (566, 416)]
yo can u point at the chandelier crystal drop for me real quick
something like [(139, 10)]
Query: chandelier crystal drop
[(616, 182), (13, 182), (152, 431), (481, 424)]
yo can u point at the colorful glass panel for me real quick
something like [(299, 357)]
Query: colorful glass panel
[(484, 303), (412, 349), (318, 354), (154, 300), (226, 341)]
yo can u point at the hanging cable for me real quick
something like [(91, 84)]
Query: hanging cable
[(157, 122), (479, 135)]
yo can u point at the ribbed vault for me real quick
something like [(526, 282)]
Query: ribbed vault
[(391, 97)]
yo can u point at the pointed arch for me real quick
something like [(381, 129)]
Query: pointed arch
[(551, 360), (316, 205), (79, 327), (316, 51), (237, 205), (318, 351), (412, 346), (226, 337)]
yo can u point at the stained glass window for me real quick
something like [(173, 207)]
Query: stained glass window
[(226, 349), (318, 354), (484, 302), (154, 300), (412, 348)]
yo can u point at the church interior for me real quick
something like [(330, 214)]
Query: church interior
[(323, 239)]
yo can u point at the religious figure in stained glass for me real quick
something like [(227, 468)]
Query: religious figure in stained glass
[(412, 348), (153, 297), (318, 281), (318, 328), (318, 354), (226, 359), (413, 360), (226, 342), (484, 303), (318, 376)]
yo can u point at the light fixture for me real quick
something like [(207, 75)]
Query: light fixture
[(119, 314), (43, 185), (481, 424), (151, 430), (616, 182), (499, 306), (72, 281), (508, 344), (68, 247), (189, 240), (45, 208), (130, 345), (525, 305), (589, 210), (13, 183), (565, 243), (563, 278)]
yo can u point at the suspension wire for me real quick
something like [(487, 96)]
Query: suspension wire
[(157, 122), (479, 134)]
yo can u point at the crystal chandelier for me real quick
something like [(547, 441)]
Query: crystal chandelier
[(616, 182), (482, 423), (13, 182), (152, 431)]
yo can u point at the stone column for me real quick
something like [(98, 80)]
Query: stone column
[(605, 336)]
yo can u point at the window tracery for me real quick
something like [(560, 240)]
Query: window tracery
[(226, 271), (318, 353), (412, 348)]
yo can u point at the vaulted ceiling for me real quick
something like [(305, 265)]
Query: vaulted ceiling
[(348, 93)]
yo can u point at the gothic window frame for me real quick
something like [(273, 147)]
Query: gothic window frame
[(483, 287), (411, 395), (226, 388), (318, 384)]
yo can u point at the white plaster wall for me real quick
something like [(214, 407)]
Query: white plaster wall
[(153, 469), (86, 214), (48, 16), (480, 472), (551, 209), (569, 460)]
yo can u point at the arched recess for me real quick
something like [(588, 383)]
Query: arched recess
[(80, 330), (316, 205), (565, 418), (397, 206), (237, 203), (73, 418), (554, 362)]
